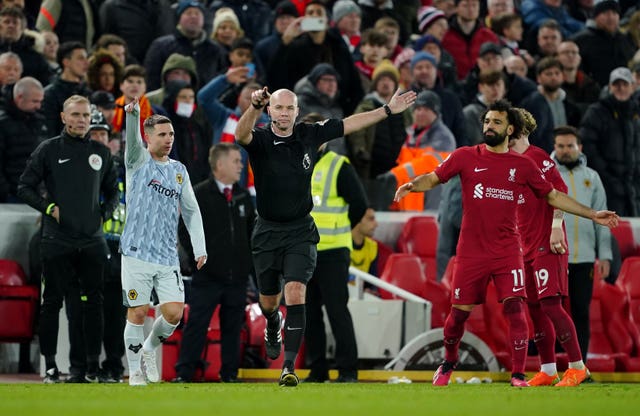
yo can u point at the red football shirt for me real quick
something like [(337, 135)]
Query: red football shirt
[(491, 184), (535, 214)]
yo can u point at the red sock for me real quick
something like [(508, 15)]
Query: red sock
[(453, 331), (544, 334), (565, 329), (513, 310)]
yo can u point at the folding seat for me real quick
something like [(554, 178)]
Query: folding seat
[(440, 299), (405, 271), (601, 356), (447, 277), (384, 251), (623, 335), (18, 303), (629, 280), (623, 234), (419, 236)]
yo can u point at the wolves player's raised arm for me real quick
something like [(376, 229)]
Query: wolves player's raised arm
[(192, 218), (564, 202), (134, 152)]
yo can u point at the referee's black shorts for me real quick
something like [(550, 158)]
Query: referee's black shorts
[(286, 250)]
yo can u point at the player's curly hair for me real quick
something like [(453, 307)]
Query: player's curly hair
[(529, 123)]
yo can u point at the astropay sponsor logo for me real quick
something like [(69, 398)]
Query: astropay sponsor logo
[(157, 186), (480, 192)]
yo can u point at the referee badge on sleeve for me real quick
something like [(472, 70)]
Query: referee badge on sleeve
[(179, 178)]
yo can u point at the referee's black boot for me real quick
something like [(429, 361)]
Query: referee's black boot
[(273, 339)]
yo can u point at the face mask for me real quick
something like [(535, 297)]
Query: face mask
[(185, 109)]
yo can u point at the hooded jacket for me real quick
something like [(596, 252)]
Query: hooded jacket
[(175, 61)]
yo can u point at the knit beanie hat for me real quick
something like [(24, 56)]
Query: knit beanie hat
[(430, 100), (385, 67), (427, 16), (601, 6), (226, 14), (320, 70), (185, 4), (341, 8), (423, 56)]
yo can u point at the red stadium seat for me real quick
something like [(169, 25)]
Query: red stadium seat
[(629, 280), (447, 277), (623, 234), (405, 271), (419, 236), (384, 251), (440, 299), (602, 356), (18, 302)]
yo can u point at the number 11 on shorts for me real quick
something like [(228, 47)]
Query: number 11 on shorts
[(518, 277)]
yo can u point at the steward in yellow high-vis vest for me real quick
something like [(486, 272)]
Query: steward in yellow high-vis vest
[(339, 201), (330, 211)]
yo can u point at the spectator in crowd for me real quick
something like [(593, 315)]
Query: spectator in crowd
[(491, 88), (603, 46), (581, 89), (509, 29), (548, 39), (10, 70), (139, 22), (496, 8), (266, 47), (76, 250), (50, 53), (72, 20), (177, 67), (189, 39), (250, 15), (376, 148), (318, 94), (432, 21), (228, 215), (105, 103), (448, 7), (446, 69), (373, 10), (391, 28), (425, 73), (581, 10), (373, 48), (226, 29), (192, 129), (465, 36), (516, 65), (14, 39), (116, 46), (301, 51), (22, 129), (403, 63), (536, 12), (587, 241), (610, 132), (549, 105), (240, 54), (364, 254), (339, 205), (72, 57), (104, 72), (133, 86), (347, 19)]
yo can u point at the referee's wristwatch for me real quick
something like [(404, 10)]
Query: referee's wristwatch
[(387, 109)]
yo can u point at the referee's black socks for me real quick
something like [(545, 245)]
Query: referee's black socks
[(293, 331)]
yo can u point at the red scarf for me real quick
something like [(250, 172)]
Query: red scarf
[(118, 117)]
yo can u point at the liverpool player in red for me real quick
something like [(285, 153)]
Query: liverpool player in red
[(489, 245), (546, 263)]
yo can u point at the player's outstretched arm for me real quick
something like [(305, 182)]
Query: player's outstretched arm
[(134, 149), (397, 104), (421, 183), (564, 202), (259, 98)]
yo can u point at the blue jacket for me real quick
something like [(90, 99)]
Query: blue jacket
[(535, 12)]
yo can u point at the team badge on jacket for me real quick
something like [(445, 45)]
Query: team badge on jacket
[(179, 178)]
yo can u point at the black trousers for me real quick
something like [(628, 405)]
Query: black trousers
[(328, 287), (77, 274), (206, 294), (580, 292)]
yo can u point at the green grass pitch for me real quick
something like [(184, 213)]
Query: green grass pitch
[(363, 399)]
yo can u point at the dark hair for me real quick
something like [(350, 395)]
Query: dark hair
[(564, 130), (513, 116), (16, 12), (66, 50), (134, 71), (373, 37), (109, 39), (217, 151), (551, 24), (96, 61), (319, 3), (242, 43), (251, 86), (152, 121), (504, 21), (546, 63), (492, 78)]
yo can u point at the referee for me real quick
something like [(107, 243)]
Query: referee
[(283, 156)]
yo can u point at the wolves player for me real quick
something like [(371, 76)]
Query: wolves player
[(489, 246), (158, 192), (546, 263)]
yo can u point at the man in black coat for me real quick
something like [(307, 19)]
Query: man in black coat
[(228, 216)]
